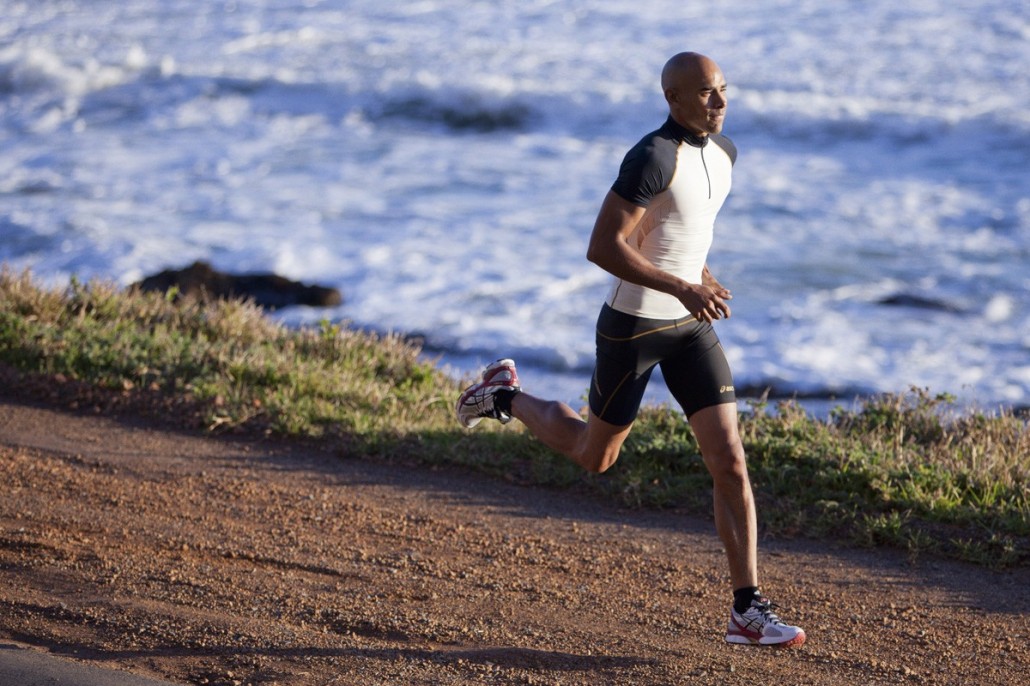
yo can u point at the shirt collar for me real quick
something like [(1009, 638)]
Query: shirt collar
[(684, 135)]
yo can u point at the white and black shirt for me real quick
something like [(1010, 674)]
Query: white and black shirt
[(682, 179)]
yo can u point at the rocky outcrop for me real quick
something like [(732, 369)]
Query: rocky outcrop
[(267, 290)]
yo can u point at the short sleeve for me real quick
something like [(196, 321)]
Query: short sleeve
[(644, 173)]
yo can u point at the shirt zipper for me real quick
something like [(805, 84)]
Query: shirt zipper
[(705, 165)]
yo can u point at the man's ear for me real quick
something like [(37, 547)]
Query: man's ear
[(671, 95)]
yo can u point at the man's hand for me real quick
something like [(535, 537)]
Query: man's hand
[(705, 302), (708, 280)]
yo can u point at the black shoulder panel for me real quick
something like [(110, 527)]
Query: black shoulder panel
[(726, 144), (647, 168)]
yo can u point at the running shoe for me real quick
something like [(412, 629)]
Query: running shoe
[(760, 626), (477, 402)]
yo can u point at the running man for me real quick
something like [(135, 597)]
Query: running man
[(653, 233)]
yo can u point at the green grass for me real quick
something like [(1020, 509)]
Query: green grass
[(907, 471)]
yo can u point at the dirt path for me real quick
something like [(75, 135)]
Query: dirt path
[(205, 561)]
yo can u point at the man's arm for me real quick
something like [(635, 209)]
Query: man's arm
[(610, 250)]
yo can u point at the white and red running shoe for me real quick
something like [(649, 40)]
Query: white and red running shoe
[(477, 402), (760, 626)]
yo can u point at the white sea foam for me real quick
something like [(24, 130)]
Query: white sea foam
[(442, 162)]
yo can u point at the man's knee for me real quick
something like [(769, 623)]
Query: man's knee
[(600, 461), (601, 445), (727, 463)]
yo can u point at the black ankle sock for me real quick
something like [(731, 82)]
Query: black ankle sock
[(502, 400), (742, 598)]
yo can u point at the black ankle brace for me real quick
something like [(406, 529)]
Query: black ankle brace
[(742, 598), (502, 400)]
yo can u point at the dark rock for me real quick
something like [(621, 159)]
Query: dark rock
[(465, 114), (270, 291), (919, 303)]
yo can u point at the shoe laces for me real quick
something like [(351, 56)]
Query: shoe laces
[(765, 608)]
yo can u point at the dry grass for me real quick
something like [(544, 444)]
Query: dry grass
[(904, 470)]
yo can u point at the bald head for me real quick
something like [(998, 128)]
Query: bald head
[(695, 89), (682, 66)]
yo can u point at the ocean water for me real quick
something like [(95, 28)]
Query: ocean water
[(441, 162)]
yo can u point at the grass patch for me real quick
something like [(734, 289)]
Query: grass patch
[(902, 470)]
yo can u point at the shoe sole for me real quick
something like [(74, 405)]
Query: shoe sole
[(737, 639), (473, 421)]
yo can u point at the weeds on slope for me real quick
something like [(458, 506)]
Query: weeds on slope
[(903, 470)]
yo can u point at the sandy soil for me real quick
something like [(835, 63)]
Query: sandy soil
[(203, 560)]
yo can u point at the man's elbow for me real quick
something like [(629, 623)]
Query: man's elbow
[(592, 254), (599, 254)]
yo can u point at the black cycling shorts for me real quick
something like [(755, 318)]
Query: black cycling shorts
[(628, 348)]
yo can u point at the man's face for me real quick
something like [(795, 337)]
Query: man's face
[(698, 100)]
